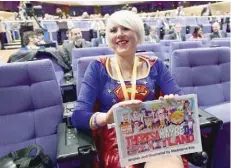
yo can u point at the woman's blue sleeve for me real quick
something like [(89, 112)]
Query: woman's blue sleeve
[(88, 94), (166, 82)]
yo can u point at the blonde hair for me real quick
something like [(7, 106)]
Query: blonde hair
[(129, 20)]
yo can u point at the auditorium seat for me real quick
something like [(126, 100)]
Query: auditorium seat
[(204, 22), (157, 49), (191, 22), (87, 52), (225, 42), (166, 46), (103, 45), (207, 36), (206, 72), (51, 29), (59, 72), (185, 44), (30, 107), (167, 37)]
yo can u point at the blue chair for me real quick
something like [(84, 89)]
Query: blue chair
[(184, 45), (206, 72), (166, 46), (222, 42), (31, 107)]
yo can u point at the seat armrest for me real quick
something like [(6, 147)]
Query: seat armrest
[(75, 147), (208, 120)]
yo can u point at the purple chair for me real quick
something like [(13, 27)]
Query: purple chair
[(167, 37), (222, 42), (184, 45), (192, 22), (206, 72), (206, 26), (157, 49), (87, 52), (166, 46), (31, 107), (59, 73)]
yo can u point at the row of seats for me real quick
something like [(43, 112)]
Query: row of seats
[(188, 36), (162, 50), (31, 103)]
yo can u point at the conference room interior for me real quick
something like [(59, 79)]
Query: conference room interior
[(46, 47)]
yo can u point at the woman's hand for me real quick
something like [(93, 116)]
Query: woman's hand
[(108, 117), (168, 97)]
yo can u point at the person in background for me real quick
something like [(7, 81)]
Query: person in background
[(134, 9), (100, 40), (106, 16), (197, 34), (217, 33), (85, 15), (104, 75), (31, 41), (206, 11), (180, 10), (176, 33), (77, 41), (59, 13), (152, 37)]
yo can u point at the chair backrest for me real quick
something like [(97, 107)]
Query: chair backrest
[(157, 49), (167, 37), (84, 62), (202, 20), (188, 36), (30, 102), (184, 45), (59, 73), (166, 46), (203, 71), (220, 42), (87, 52), (207, 36), (190, 21)]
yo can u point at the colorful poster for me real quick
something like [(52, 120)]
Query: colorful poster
[(157, 128)]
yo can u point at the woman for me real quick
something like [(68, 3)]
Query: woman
[(108, 80), (197, 34)]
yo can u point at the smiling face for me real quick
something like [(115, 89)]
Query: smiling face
[(121, 39), (124, 31)]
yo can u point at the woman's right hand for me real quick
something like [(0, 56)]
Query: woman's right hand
[(108, 117)]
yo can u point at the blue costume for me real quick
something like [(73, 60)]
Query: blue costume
[(99, 86)]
